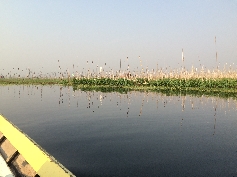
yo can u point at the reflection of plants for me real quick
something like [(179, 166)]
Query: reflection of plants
[(199, 93), (221, 93), (224, 87), (104, 89)]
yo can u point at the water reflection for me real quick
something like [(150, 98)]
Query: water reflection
[(138, 101), (94, 133)]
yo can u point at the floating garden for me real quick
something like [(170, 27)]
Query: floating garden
[(202, 81)]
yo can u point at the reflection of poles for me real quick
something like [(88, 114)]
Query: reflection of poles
[(215, 119), (142, 105), (101, 98), (183, 103)]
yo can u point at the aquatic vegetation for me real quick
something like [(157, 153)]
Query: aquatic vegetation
[(181, 80), (30, 81), (166, 83), (197, 79)]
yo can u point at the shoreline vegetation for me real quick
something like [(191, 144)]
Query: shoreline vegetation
[(198, 81), (220, 87), (137, 83)]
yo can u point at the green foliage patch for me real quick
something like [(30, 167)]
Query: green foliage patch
[(179, 84)]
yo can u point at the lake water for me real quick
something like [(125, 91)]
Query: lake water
[(135, 134)]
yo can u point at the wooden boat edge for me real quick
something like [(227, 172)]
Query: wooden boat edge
[(21, 147)]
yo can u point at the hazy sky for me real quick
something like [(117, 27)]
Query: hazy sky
[(36, 34)]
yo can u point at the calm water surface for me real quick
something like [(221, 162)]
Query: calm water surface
[(135, 134)]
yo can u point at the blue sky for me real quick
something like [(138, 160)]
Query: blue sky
[(36, 34)]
